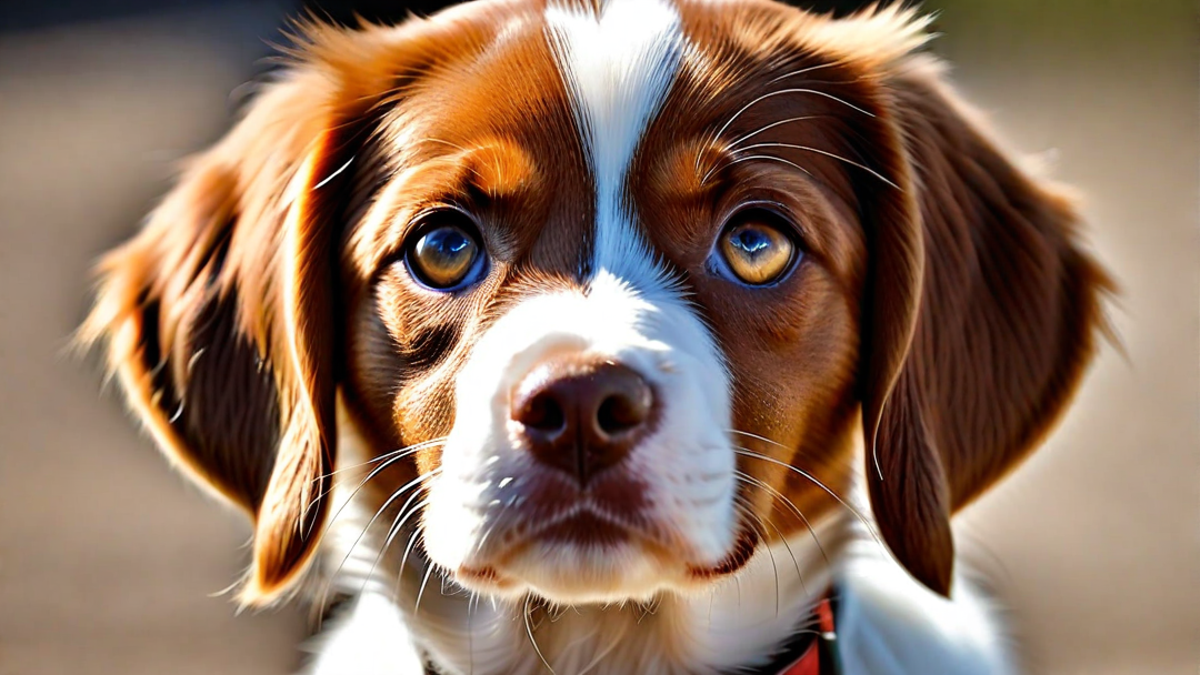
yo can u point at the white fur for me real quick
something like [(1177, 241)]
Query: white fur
[(887, 623), (687, 463), (733, 623), (368, 638), (619, 67)]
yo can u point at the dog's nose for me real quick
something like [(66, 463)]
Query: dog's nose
[(583, 416)]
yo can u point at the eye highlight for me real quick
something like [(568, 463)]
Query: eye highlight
[(756, 249), (445, 254)]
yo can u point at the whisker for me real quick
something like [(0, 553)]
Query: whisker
[(398, 455), (604, 652), (809, 69), (750, 453), (417, 533), (754, 455), (774, 567), (396, 527), (791, 554), (456, 146), (733, 145), (388, 502), (781, 92), (826, 153), (745, 509), (795, 509), (337, 514), (406, 449), (472, 602), (739, 160), (421, 592), (779, 78), (487, 533), (757, 437), (362, 533), (529, 631)]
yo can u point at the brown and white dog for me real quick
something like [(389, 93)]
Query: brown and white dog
[(608, 336)]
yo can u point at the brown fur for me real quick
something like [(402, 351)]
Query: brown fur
[(1006, 309), (943, 293), (218, 318)]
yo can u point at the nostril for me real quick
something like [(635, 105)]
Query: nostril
[(581, 416), (621, 412), (543, 412)]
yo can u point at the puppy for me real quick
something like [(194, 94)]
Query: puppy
[(619, 336)]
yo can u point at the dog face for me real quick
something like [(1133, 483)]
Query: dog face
[(609, 292)]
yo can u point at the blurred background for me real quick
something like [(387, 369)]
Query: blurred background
[(109, 563)]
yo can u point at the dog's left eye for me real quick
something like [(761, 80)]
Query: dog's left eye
[(446, 255), (756, 249)]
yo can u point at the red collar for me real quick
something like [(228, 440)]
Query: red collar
[(820, 656)]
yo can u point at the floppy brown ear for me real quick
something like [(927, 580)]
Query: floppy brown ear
[(980, 317), (219, 316)]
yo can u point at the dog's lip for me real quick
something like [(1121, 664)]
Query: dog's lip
[(585, 524), (597, 522), (584, 528), (743, 549)]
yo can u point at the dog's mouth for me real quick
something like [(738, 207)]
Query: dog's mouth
[(589, 555), (586, 529), (743, 549), (582, 555)]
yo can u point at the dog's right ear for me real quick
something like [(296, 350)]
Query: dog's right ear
[(220, 316), (218, 319)]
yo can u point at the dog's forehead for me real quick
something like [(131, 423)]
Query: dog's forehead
[(619, 64), (585, 114)]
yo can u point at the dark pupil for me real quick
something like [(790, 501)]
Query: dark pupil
[(753, 241)]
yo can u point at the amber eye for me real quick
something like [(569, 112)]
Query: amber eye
[(756, 250), (446, 254)]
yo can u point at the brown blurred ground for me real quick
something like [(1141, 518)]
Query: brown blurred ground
[(107, 560)]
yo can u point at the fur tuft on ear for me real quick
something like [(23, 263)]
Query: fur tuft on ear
[(219, 315), (982, 313)]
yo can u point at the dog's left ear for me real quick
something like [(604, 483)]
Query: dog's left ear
[(980, 316)]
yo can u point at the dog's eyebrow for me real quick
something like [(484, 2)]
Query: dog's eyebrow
[(495, 167), (499, 169)]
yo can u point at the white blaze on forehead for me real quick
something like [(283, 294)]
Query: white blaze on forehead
[(619, 66)]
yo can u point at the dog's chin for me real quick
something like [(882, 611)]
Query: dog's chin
[(568, 569), (601, 567), (571, 574)]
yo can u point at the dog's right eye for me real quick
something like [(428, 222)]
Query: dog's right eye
[(445, 254)]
